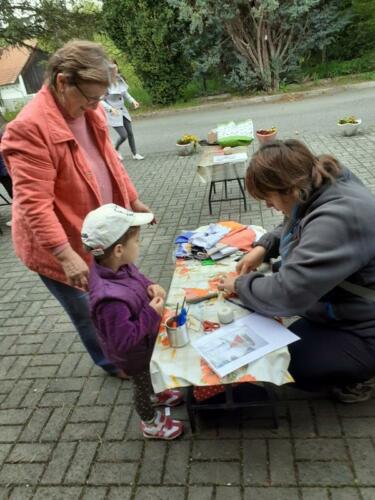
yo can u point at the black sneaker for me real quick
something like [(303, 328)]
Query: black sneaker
[(354, 393)]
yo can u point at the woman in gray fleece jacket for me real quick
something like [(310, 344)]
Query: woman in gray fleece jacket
[(327, 272)]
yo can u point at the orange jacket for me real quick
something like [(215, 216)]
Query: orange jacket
[(54, 187)]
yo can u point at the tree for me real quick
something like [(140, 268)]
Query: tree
[(52, 22), (151, 35), (269, 36), (364, 22)]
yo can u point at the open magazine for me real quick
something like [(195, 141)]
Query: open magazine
[(241, 342)]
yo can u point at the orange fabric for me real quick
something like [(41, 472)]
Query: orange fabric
[(54, 187), (241, 239), (231, 224)]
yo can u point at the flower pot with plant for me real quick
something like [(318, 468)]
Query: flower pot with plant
[(266, 134), (187, 145), (349, 126)]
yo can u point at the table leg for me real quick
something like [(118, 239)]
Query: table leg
[(242, 192), (272, 398), (229, 394), (190, 410), (212, 189)]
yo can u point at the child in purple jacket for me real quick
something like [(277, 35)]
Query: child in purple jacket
[(126, 308)]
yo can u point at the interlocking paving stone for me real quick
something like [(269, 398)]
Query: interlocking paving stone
[(325, 473), (359, 427), (37, 422), (119, 493), (162, 493), (345, 494), (21, 493), (368, 493), (52, 430), (14, 417), (362, 452), (20, 474), (152, 463), (80, 464), (281, 462), (120, 451), (320, 449), (9, 433), (30, 452), (177, 463), (117, 423), (60, 461), (314, 493), (218, 449), (85, 430), (113, 473), (228, 492), (255, 462), (57, 493), (200, 493), (271, 493), (220, 473), (97, 493)]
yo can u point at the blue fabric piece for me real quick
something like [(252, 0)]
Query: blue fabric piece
[(181, 251), (184, 237), (208, 238)]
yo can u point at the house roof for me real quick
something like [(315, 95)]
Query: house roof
[(12, 62)]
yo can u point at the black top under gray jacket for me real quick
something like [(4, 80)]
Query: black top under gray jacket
[(328, 239)]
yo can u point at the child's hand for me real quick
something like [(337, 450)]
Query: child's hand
[(157, 303), (156, 291)]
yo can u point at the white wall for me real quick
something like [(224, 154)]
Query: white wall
[(15, 91)]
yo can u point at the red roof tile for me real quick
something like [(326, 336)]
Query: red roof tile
[(12, 62)]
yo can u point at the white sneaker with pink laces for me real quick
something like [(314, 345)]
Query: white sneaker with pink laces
[(169, 397), (162, 427)]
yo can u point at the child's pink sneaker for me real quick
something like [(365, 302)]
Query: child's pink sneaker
[(170, 397), (162, 427)]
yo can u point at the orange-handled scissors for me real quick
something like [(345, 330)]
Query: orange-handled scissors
[(210, 326)]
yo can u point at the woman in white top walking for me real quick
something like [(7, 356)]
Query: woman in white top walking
[(118, 116)]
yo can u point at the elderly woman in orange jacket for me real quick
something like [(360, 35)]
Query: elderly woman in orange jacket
[(63, 165)]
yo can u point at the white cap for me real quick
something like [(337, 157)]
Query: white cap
[(106, 224)]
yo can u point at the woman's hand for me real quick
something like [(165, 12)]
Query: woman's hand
[(227, 285), (251, 260), (75, 268), (136, 104), (157, 303), (114, 112), (155, 290), (139, 206)]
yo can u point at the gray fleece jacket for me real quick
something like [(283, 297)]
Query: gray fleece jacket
[(328, 239)]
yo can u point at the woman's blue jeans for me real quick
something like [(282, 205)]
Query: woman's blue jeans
[(76, 305)]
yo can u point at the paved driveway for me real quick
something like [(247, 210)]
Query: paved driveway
[(67, 431)]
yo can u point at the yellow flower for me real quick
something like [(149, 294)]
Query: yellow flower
[(187, 139)]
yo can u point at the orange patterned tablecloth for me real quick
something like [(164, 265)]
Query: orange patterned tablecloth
[(183, 366)]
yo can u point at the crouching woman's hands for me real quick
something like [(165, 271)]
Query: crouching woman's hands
[(251, 260)]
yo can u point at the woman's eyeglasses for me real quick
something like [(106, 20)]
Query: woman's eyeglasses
[(90, 100)]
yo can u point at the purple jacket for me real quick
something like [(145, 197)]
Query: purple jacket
[(126, 324)]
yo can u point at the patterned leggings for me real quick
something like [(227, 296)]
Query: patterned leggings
[(142, 390)]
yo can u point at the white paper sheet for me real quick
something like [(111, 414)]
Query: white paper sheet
[(234, 158), (241, 342)]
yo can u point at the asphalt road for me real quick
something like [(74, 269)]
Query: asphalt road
[(306, 115)]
